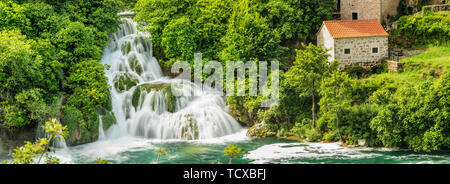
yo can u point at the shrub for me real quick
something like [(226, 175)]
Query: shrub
[(313, 135), (329, 136)]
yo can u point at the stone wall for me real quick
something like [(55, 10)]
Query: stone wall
[(366, 9), (394, 66), (388, 7), (369, 9), (361, 51)]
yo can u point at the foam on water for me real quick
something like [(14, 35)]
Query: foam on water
[(287, 151)]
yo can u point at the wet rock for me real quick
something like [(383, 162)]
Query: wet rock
[(125, 81), (258, 130)]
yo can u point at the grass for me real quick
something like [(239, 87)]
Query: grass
[(434, 62), (435, 57)]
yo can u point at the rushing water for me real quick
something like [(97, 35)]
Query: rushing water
[(158, 107), (193, 129), (129, 150)]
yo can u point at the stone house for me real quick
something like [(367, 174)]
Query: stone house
[(367, 9), (354, 42)]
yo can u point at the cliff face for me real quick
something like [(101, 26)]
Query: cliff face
[(13, 138)]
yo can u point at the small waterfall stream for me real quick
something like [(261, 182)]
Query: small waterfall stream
[(144, 100)]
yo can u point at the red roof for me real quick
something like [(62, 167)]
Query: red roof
[(355, 28)]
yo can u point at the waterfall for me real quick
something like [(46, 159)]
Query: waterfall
[(143, 98), (101, 133)]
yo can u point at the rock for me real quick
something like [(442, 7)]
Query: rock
[(108, 120), (257, 130), (82, 128), (170, 99), (125, 81), (394, 66), (190, 130), (126, 47), (134, 64), (361, 142)]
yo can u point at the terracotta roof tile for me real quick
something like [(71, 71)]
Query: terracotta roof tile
[(355, 28)]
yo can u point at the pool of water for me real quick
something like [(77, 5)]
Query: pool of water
[(130, 150)]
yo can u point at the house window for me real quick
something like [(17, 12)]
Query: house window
[(375, 50), (346, 51), (355, 16)]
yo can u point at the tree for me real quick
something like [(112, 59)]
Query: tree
[(310, 67), (33, 152), (418, 118), (154, 15), (160, 151), (179, 39), (12, 17), (21, 100), (335, 95), (249, 37), (211, 25), (77, 43), (232, 151), (297, 20)]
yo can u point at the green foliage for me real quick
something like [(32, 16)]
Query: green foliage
[(56, 62), (108, 120), (159, 152), (418, 118), (335, 95), (19, 67), (249, 37), (330, 136), (179, 39), (90, 84), (44, 20), (32, 153), (22, 102), (356, 124), (416, 31), (12, 17), (312, 135), (297, 19), (229, 29), (310, 67), (78, 43), (100, 161), (232, 151), (71, 118)]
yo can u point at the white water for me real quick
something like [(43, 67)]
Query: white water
[(199, 117)]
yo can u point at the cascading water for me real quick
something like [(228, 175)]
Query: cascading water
[(144, 101)]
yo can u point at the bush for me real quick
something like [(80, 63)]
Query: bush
[(330, 136), (313, 135), (356, 124), (417, 31)]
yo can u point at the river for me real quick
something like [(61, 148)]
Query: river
[(194, 129)]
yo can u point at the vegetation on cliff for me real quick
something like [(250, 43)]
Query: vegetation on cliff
[(49, 53)]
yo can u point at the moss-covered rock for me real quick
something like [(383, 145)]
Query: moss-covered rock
[(170, 99), (190, 130), (258, 130), (126, 48), (108, 120), (136, 97), (125, 81), (81, 128), (145, 43), (134, 64)]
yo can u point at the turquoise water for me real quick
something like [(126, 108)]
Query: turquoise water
[(258, 151)]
